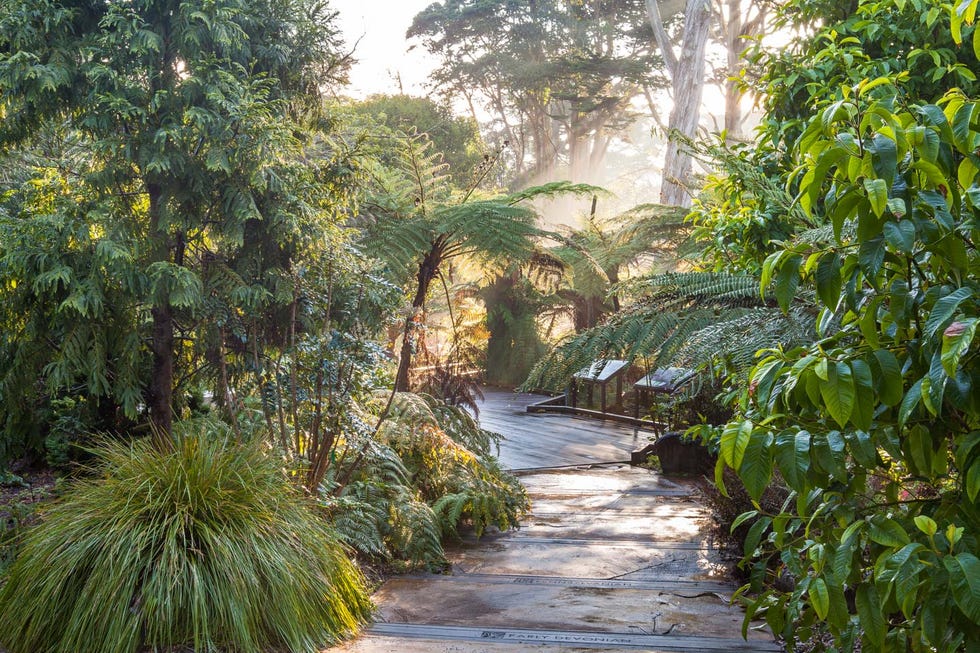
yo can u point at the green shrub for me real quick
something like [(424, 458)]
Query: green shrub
[(448, 457), (207, 545)]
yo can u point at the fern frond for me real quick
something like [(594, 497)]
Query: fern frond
[(690, 319)]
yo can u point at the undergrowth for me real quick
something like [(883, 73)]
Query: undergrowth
[(206, 546)]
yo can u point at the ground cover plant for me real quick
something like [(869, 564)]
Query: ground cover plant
[(202, 545)]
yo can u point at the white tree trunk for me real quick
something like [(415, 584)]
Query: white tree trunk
[(687, 81)]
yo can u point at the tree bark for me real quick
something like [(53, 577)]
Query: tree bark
[(428, 269), (162, 337), (687, 82)]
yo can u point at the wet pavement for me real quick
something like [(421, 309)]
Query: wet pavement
[(612, 558)]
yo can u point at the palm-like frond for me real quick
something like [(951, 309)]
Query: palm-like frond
[(554, 189), (491, 230), (692, 319)]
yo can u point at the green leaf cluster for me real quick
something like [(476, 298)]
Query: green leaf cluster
[(874, 427)]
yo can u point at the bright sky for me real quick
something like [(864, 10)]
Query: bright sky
[(382, 53)]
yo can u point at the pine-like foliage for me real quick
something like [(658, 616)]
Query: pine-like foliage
[(205, 546), (693, 319)]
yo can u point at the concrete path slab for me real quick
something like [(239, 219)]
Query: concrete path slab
[(612, 558)]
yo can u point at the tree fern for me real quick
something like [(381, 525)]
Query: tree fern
[(691, 319)]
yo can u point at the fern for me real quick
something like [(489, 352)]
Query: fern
[(464, 485), (693, 319)]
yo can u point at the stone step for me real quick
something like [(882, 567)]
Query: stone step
[(576, 638), (683, 588)]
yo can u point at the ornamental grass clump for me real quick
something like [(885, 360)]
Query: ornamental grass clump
[(205, 546)]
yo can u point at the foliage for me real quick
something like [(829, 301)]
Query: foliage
[(427, 472), (875, 426), (704, 320), (744, 210), (417, 224), (858, 40), (603, 252), (515, 305), (456, 138), (449, 458), (202, 546), (558, 77), (184, 121), (378, 512)]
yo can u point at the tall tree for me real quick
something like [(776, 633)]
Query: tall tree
[(687, 75), (557, 76), (456, 138), (187, 111)]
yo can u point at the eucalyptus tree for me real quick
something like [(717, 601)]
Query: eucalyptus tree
[(187, 113)]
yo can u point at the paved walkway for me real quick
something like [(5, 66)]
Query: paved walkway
[(613, 558)]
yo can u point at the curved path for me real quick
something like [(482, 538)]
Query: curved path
[(612, 558)]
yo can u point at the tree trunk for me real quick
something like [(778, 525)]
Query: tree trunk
[(733, 95), (428, 269), (687, 82), (162, 337)]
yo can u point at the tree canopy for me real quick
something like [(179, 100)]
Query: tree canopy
[(174, 167)]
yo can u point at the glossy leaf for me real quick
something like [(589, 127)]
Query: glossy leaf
[(964, 572)]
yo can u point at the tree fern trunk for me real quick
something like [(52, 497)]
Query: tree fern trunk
[(428, 269)]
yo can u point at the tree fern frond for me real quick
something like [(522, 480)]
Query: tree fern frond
[(554, 189), (690, 319)]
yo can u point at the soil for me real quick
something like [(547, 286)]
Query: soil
[(34, 487)]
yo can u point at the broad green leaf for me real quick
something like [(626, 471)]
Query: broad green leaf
[(838, 392), (869, 322), (788, 280), (973, 481), (964, 135), (957, 339), (734, 440), (866, 85), (744, 517), (900, 573), (877, 190), (944, 310), (852, 530), (976, 43), (887, 532), (919, 446), (967, 172), (828, 279), (885, 162), (964, 574), (889, 381), (966, 445), (793, 457), (871, 256), (819, 597), (909, 403), (900, 235), (862, 448), (869, 612), (754, 536), (864, 397), (756, 468), (926, 524), (720, 476)]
